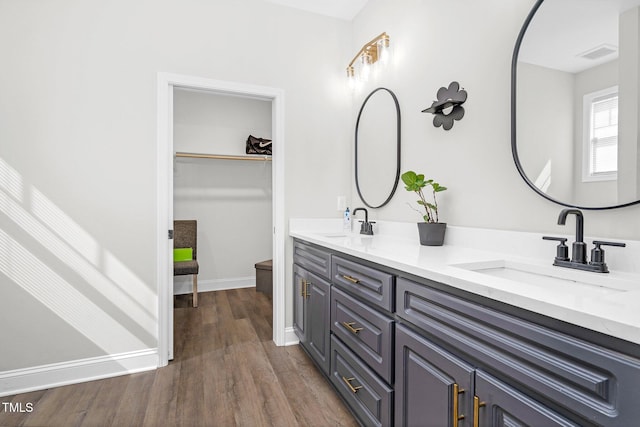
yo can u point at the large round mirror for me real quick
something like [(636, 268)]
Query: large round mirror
[(575, 102), (377, 153)]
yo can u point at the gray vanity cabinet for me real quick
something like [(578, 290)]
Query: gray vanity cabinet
[(526, 372), (311, 304), (438, 389), (408, 351)]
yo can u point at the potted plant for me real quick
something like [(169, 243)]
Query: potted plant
[(431, 230)]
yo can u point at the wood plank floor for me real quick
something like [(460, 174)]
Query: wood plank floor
[(227, 372)]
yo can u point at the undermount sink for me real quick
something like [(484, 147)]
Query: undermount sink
[(552, 278), (343, 235)]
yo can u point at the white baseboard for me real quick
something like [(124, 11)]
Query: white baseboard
[(184, 284), (77, 371), (290, 337)]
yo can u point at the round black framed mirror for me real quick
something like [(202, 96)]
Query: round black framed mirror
[(377, 143), (575, 103)]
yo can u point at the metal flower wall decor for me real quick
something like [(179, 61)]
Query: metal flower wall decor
[(448, 107)]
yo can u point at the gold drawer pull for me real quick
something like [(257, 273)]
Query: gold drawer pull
[(456, 417), (476, 410), (349, 326), (303, 288), (351, 279), (347, 381)]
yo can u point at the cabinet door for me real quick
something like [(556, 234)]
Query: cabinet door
[(433, 387), (318, 321), (501, 405), (300, 302)]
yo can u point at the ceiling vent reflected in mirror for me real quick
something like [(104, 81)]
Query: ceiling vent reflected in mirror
[(599, 52)]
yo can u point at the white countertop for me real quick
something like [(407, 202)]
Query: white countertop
[(610, 311)]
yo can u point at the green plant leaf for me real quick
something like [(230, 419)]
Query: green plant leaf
[(409, 178)]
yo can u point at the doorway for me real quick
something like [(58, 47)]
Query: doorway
[(167, 82)]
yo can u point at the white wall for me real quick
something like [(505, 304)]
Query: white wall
[(78, 151), (230, 199), (470, 42), (545, 130)]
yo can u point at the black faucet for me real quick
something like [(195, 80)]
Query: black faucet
[(366, 227), (579, 247)]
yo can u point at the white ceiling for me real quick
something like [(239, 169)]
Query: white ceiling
[(342, 9)]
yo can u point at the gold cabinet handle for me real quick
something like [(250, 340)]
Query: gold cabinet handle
[(351, 279), (306, 289), (456, 417), (347, 381), (349, 326), (476, 410), (303, 287)]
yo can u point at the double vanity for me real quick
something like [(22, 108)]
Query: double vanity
[(465, 334), (495, 328)]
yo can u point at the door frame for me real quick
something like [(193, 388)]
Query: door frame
[(166, 82)]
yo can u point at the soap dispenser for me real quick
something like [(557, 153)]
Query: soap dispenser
[(346, 221)]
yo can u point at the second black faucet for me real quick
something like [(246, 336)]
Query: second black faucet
[(579, 247), (366, 227)]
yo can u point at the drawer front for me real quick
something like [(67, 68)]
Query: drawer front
[(367, 395), (368, 333), (590, 380), (367, 283), (313, 259)]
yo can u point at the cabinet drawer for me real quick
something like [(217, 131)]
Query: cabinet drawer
[(312, 259), (367, 396), (367, 283), (368, 333), (592, 381)]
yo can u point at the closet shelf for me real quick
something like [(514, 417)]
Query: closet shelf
[(224, 156)]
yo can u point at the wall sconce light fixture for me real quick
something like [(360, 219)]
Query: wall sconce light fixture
[(377, 50)]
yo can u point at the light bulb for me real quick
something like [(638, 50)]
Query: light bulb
[(365, 70), (384, 53)]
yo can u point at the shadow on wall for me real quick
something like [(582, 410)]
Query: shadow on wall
[(105, 304)]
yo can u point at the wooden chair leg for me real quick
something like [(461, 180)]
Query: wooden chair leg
[(195, 290)]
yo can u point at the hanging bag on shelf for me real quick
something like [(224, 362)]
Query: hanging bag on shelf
[(258, 145)]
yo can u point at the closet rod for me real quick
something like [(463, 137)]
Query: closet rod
[(223, 157)]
